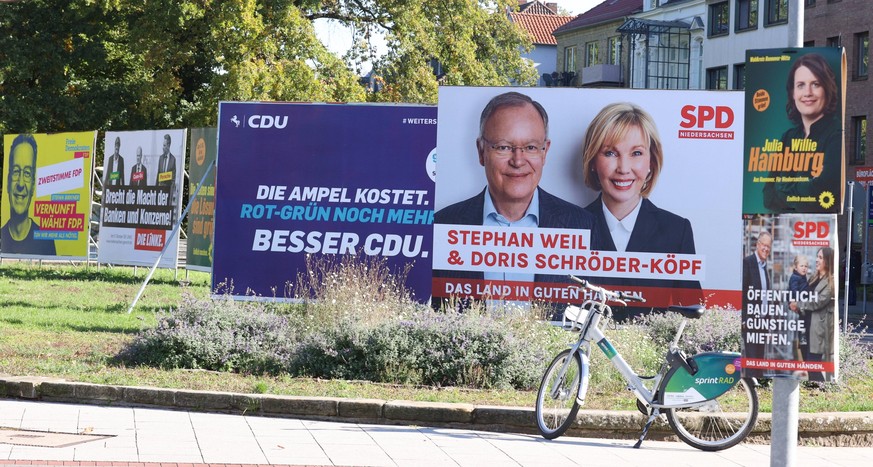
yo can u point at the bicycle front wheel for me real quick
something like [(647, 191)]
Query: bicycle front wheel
[(720, 423), (556, 399)]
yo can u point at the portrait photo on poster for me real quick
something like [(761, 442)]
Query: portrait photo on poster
[(46, 206), (516, 168), (20, 231), (789, 325), (794, 148), (140, 199)]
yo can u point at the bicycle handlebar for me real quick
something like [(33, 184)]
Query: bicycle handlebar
[(608, 294)]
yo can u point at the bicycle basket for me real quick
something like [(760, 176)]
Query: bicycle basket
[(574, 318)]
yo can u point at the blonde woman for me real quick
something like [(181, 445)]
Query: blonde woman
[(622, 159)]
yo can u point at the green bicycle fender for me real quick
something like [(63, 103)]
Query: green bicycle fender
[(717, 372)]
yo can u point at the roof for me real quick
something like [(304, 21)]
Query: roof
[(536, 7), (643, 26), (606, 11), (540, 27)]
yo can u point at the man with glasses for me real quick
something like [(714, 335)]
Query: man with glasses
[(17, 234), (757, 281), (512, 145), (756, 276)]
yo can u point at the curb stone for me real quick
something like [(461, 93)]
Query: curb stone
[(819, 429)]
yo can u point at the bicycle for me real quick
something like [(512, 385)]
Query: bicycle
[(707, 403)]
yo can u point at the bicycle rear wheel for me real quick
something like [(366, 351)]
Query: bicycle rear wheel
[(556, 399), (720, 423)]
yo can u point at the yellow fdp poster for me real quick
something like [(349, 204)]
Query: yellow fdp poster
[(46, 195)]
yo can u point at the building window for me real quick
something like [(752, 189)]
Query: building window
[(614, 44), (833, 41), (717, 78), (859, 130), (570, 59), (777, 12), (668, 59), (719, 18), (809, 43), (862, 55), (591, 54), (740, 76), (810, 3), (747, 15)]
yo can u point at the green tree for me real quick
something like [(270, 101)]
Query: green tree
[(473, 42), (69, 65)]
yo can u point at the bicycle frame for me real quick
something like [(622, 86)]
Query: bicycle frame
[(679, 383), (687, 391), (591, 333)]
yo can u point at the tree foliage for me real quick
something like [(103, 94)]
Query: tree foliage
[(68, 65)]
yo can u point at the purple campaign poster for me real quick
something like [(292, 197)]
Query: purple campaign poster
[(324, 179)]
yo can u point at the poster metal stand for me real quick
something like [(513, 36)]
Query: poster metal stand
[(172, 234)]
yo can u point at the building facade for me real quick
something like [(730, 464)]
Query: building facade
[(847, 23), (734, 26), (672, 44), (590, 47), (540, 19), (666, 40)]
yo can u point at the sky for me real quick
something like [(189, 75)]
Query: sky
[(338, 38)]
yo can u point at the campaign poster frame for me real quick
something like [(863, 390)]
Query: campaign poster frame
[(59, 203), (142, 198), (791, 165), (325, 180), (701, 133), (790, 319), (201, 217)]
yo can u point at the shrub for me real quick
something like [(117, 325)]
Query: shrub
[(338, 288), (856, 359), (430, 348), (354, 320), (855, 355), (718, 329), (215, 334)]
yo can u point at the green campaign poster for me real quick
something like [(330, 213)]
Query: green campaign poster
[(200, 218), (794, 146)]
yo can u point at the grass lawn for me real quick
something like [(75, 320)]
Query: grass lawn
[(69, 321)]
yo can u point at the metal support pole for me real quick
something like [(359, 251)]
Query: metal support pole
[(866, 258), (172, 234), (783, 448), (786, 390), (795, 23), (849, 218)]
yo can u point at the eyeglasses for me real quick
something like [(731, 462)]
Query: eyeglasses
[(506, 150), (17, 174)]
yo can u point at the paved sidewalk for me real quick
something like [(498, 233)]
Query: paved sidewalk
[(146, 435)]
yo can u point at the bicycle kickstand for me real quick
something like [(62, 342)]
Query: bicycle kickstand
[(652, 417)]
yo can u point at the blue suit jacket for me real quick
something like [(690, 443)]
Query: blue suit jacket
[(554, 213), (751, 276)]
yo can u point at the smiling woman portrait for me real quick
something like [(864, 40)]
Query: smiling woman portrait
[(813, 107), (622, 159)]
